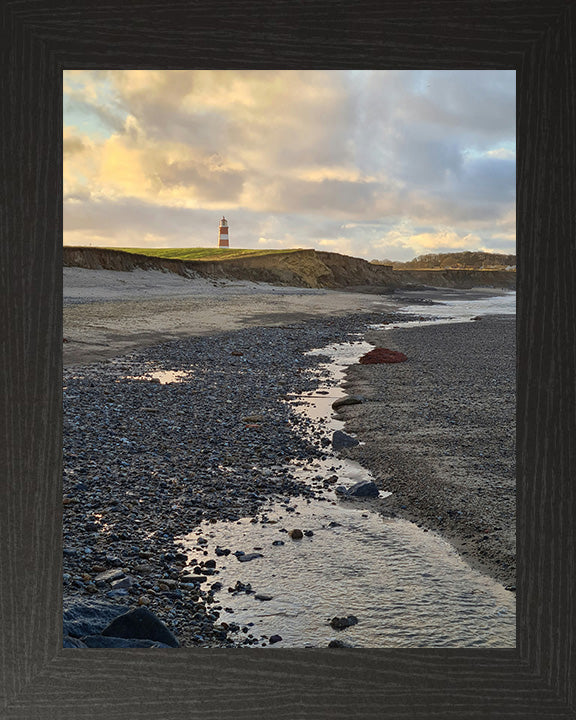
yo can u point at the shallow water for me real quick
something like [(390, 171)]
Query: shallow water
[(450, 311), (407, 587)]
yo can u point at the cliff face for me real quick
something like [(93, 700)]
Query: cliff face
[(301, 268), (462, 279)]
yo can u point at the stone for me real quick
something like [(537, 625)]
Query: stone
[(274, 639), (110, 575), (364, 488), (341, 439), (296, 534), (278, 542), (263, 597), (140, 624), (348, 400), (338, 644), (340, 623), (89, 617), (247, 557), (122, 583), (382, 355), (253, 419)]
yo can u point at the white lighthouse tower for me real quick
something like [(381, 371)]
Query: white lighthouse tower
[(223, 233)]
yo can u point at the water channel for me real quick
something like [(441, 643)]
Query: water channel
[(406, 586)]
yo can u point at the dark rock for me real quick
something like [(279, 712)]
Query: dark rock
[(339, 623), (338, 644), (140, 624), (278, 542), (308, 533), (89, 617), (296, 534), (249, 556), (341, 439), (364, 488), (121, 584), (348, 400), (274, 639), (262, 596)]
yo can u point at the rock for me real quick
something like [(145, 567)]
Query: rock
[(103, 641), (110, 575), (247, 557), (262, 596), (253, 418), (341, 439), (296, 534), (382, 355), (122, 583), (278, 542), (140, 624), (364, 488), (338, 644), (308, 533), (339, 623), (274, 639), (348, 400), (89, 617)]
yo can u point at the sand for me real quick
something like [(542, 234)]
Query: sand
[(108, 313)]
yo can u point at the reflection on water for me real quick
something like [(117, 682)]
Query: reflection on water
[(406, 586), (451, 311), (164, 377)]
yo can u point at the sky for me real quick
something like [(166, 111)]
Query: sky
[(378, 164)]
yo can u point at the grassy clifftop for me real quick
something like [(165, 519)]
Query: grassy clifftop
[(200, 254)]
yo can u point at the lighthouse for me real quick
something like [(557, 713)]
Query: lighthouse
[(223, 233)]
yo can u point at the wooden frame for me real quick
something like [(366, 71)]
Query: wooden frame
[(39, 679)]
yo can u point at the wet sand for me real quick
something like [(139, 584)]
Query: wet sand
[(439, 432)]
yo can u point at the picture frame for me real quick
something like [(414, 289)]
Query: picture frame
[(42, 680)]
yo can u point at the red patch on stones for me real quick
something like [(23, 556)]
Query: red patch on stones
[(382, 355)]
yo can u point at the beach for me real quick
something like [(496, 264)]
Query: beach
[(176, 413), (439, 432)]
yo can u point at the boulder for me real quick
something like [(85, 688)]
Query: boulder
[(140, 624), (348, 400), (364, 488), (382, 355), (341, 439), (296, 534), (89, 617)]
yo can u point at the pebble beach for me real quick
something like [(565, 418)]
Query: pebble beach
[(167, 434)]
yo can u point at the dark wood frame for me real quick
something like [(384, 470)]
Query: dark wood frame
[(39, 679)]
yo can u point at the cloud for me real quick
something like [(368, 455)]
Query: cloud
[(356, 153)]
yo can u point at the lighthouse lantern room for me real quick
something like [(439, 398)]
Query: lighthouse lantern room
[(223, 233)]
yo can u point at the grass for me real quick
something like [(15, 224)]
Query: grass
[(211, 253)]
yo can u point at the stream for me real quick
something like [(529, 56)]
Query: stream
[(407, 587)]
